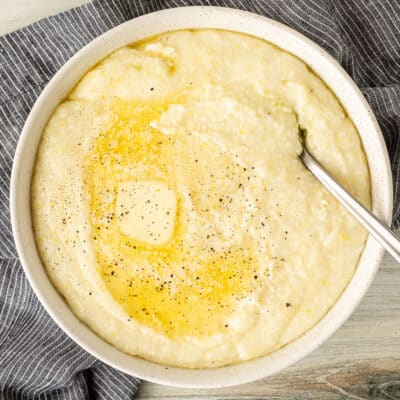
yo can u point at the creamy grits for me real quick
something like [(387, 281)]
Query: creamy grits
[(170, 208)]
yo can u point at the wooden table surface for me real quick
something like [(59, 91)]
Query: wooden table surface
[(361, 361)]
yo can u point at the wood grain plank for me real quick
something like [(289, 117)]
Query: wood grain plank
[(361, 361), (370, 379), (18, 13)]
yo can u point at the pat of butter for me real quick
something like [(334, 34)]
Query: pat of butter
[(146, 211)]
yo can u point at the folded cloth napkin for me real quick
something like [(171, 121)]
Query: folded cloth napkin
[(37, 360)]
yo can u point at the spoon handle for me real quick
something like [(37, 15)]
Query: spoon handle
[(380, 231)]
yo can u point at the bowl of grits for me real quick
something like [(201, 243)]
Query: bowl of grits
[(161, 212)]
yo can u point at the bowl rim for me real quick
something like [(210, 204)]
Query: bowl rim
[(161, 21)]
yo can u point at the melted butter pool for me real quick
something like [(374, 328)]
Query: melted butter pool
[(185, 286)]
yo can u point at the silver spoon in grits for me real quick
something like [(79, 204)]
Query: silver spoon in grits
[(380, 231)]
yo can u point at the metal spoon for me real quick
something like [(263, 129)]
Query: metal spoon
[(380, 231)]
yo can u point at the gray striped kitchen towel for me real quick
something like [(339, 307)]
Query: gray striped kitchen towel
[(37, 360)]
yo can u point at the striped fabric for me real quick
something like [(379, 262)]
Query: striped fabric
[(37, 360)]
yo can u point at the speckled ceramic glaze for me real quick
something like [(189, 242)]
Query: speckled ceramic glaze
[(137, 29)]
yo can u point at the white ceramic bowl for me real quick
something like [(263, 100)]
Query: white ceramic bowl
[(139, 28)]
